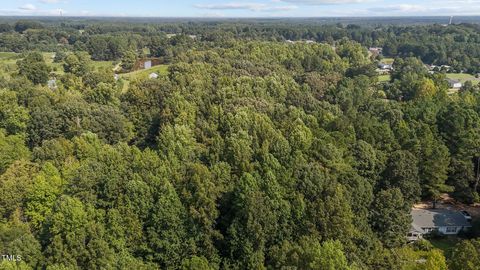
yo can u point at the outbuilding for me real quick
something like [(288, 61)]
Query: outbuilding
[(456, 84), (443, 221)]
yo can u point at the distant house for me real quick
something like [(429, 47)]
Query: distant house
[(384, 66), (446, 68), (384, 69), (147, 64), (174, 35), (52, 84), (116, 77), (375, 50), (153, 75), (456, 84), (443, 221)]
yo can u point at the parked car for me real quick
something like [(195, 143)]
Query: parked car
[(466, 215)]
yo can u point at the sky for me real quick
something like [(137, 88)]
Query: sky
[(239, 8)]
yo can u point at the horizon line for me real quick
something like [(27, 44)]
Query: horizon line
[(233, 17)]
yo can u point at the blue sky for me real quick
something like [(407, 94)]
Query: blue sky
[(239, 8)]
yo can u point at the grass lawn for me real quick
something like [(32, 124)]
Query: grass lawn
[(7, 55), (146, 51), (387, 61), (463, 77), (102, 64), (57, 68), (384, 78), (144, 73), (445, 244), (8, 61)]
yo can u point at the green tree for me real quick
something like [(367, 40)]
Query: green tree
[(33, 67), (22, 25), (14, 185), (16, 238), (436, 261), (78, 63), (128, 60), (75, 237), (390, 217), (402, 172), (465, 256), (310, 254), (167, 242), (41, 198), (195, 263), (12, 148), (13, 117)]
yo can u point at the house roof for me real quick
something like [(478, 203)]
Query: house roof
[(453, 81), (437, 218)]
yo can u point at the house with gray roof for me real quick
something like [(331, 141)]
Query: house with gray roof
[(456, 84), (444, 221)]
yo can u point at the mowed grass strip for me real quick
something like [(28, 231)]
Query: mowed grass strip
[(463, 77), (144, 73)]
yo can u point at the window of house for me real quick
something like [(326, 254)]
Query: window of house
[(451, 229)]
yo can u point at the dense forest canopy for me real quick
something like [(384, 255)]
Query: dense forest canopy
[(261, 145)]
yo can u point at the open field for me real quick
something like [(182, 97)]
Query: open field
[(7, 55), (144, 73), (103, 64), (8, 62), (388, 61), (445, 244), (455, 76), (57, 68), (384, 78), (463, 77)]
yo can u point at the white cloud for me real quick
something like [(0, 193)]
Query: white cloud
[(28, 7), (399, 8), (325, 2), (50, 1), (245, 6)]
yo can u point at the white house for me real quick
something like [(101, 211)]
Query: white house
[(446, 67), (375, 50), (456, 84), (147, 64), (384, 66), (444, 221), (153, 75), (52, 84)]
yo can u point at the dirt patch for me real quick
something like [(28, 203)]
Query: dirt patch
[(140, 64), (447, 202)]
